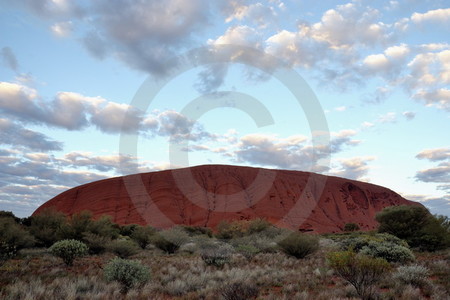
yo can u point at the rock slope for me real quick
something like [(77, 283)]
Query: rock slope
[(205, 195)]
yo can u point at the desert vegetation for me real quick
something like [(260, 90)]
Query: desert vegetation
[(50, 256)]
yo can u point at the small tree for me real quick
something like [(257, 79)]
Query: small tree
[(415, 225), (128, 273), (361, 271), (299, 245), (47, 226), (68, 250)]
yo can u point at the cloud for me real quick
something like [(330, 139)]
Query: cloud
[(293, 152), (260, 14), (440, 173), (15, 135), (353, 168), (9, 58), (62, 29), (390, 117), (409, 115), (438, 154), (441, 15), (437, 205), (115, 117), (439, 98)]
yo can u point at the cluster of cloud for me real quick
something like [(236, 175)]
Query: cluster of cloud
[(118, 29), (439, 174), (73, 111), (296, 152), (35, 177)]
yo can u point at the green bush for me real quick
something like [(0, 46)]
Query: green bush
[(414, 275), (143, 235), (77, 225), (13, 237), (127, 230), (389, 251), (123, 248), (128, 273), (299, 245), (170, 240), (227, 230), (216, 255), (47, 226), (197, 230), (68, 250), (357, 241), (258, 225), (361, 271), (104, 226), (415, 225), (97, 244), (248, 251), (351, 227)]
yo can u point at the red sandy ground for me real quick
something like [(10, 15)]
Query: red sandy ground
[(206, 195)]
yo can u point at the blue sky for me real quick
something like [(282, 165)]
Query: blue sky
[(94, 89)]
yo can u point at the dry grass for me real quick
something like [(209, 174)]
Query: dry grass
[(35, 274)]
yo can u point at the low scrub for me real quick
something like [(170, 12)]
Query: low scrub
[(389, 251), (68, 250), (299, 245), (123, 248), (239, 291), (361, 271), (216, 255), (128, 273), (414, 275)]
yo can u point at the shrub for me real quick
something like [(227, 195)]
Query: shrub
[(13, 237), (216, 255), (170, 240), (416, 225), (248, 251), (77, 225), (239, 291), (47, 226), (258, 225), (402, 221), (415, 275), (389, 251), (128, 273), (299, 245), (123, 248), (361, 271), (143, 235), (351, 227), (358, 241), (127, 230), (97, 244), (227, 230), (197, 230), (105, 227), (68, 250)]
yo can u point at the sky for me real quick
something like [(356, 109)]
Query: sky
[(95, 89)]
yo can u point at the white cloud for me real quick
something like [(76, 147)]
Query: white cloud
[(353, 168), (62, 29), (441, 15), (435, 154)]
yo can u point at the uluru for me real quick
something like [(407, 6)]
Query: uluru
[(205, 195)]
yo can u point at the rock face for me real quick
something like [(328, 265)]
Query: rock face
[(206, 195)]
